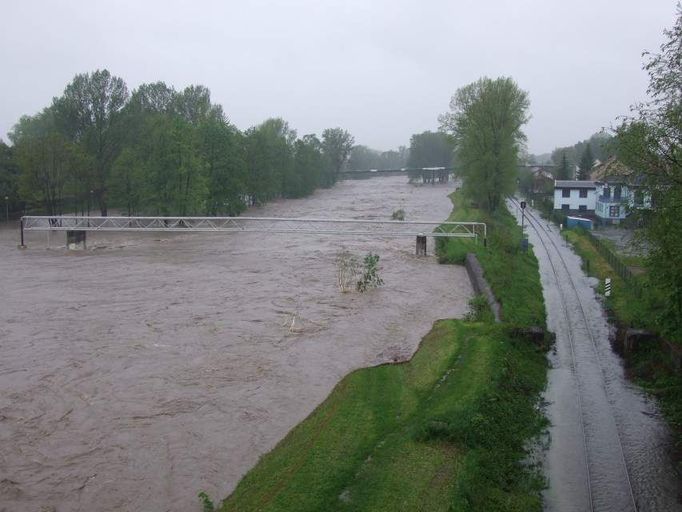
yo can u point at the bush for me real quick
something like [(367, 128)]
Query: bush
[(370, 276), (398, 215)]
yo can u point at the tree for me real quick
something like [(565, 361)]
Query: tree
[(336, 145), (222, 152), (486, 118), (586, 163), (269, 149), (49, 162), (563, 169), (650, 142), (9, 178), (429, 149), (88, 112)]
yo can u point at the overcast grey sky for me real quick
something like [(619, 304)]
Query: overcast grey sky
[(381, 69)]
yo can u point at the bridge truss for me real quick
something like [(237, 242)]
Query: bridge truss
[(358, 227)]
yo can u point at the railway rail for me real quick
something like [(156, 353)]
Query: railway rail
[(550, 246)]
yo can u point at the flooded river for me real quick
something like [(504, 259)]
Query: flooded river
[(152, 366)]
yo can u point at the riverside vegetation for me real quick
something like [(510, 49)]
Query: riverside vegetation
[(448, 430)]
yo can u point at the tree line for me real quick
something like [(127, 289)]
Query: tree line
[(157, 151)]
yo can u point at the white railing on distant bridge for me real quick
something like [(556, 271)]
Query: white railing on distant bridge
[(379, 228)]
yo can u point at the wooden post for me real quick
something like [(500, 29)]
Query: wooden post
[(21, 230), (421, 245)]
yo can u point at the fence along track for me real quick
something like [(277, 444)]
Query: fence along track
[(537, 227)]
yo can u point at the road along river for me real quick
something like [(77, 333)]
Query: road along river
[(609, 446), (150, 367)]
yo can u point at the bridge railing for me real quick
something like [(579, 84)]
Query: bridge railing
[(390, 228)]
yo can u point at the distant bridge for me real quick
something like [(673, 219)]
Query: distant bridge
[(76, 226), (427, 174)]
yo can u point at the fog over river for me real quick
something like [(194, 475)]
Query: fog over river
[(153, 366)]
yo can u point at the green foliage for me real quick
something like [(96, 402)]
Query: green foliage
[(486, 118), (9, 178), (430, 149), (564, 169), (586, 162), (398, 215), (601, 147), (370, 273), (650, 143), (362, 158), (159, 152), (479, 310), (511, 273), (336, 146), (206, 503)]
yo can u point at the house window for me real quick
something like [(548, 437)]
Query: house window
[(565, 207), (583, 192), (614, 211), (582, 207), (639, 198), (607, 192), (617, 192), (566, 192)]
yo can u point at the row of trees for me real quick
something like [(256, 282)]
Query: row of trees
[(582, 155), (158, 151), (650, 141)]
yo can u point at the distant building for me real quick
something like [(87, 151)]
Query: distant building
[(619, 191), (543, 181), (575, 197)]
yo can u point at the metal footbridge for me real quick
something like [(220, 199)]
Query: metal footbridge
[(79, 225)]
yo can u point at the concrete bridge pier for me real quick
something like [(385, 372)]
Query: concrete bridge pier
[(421, 245), (75, 240)]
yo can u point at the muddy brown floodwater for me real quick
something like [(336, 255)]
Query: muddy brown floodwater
[(151, 366)]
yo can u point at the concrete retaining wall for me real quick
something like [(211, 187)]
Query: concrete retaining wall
[(481, 286)]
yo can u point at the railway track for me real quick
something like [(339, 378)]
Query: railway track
[(600, 488)]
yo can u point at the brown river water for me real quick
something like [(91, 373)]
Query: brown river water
[(152, 366)]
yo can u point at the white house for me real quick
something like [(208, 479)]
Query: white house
[(619, 192), (575, 197)]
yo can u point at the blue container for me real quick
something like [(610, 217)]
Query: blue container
[(578, 222)]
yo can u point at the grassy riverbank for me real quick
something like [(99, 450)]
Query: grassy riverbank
[(649, 366), (447, 430)]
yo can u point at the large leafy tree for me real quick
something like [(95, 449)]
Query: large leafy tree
[(650, 142), (336, 145), (485, 119), (50, 163), (88, 112)]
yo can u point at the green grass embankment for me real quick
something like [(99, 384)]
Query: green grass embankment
[(447, 430), (650, 366), (512, 274)]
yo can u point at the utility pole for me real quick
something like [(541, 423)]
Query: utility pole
[(524, 242), (7, 209)]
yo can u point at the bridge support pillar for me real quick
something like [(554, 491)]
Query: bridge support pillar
[(75, 240), (421, 245)]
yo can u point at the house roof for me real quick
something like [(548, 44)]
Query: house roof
[(612, 171), (574, 184)]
